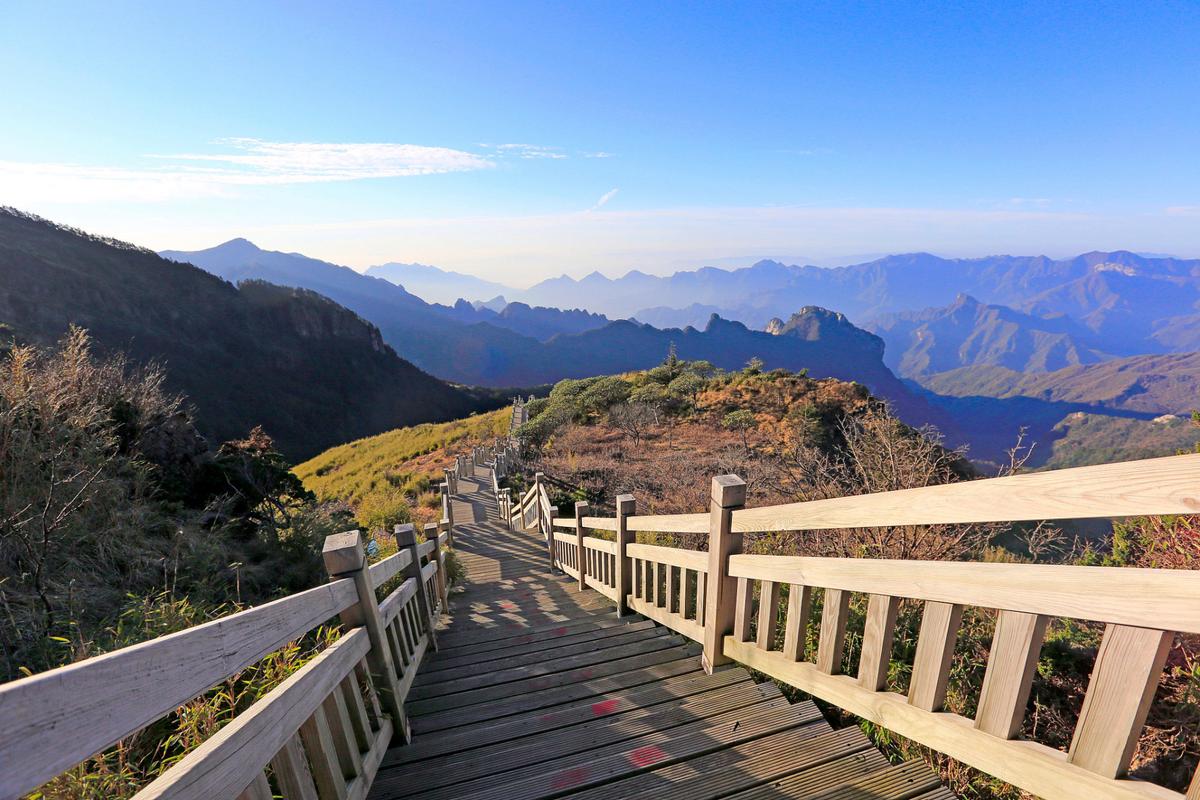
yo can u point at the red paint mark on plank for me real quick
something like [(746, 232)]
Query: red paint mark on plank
[(583, 674), (560, 631), (646, 756), (605, 707), (569, 778)]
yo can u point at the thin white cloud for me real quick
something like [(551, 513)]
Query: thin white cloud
[(245, 162), (604, 198), (598, 154), (519, 150), (1183, 211)]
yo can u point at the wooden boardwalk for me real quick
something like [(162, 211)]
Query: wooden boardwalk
[(537, 690)]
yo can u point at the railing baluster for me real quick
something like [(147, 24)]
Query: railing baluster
[(356, 710), (768, 611), (834, 614), (290, 766), (795, 632), (1009, 675), (322, 757), (259, 789), (1123, 682), (742, 610), (935, 649), (345, 743), (877, 641)]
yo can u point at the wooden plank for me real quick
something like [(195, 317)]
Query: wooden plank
[(1120, 595), (1009, 675), (935, 649), (630, 644), (736, 768), (878, 632), (675, 556), (1034, 767), (866, 783), (768, 612), (549, 749), (322, 756), (743, 611), (530, 644), (55, 719), (360, 721), (641, 656), (1124, 680), (384, 570), (655, 750), (795, 632), (578, 710), (544, 658), (290, 766), (259, 789), (1193, 792), (345, 739), (636, 672), (689, 628), (1148, 487), (227, 761), (834, 614)]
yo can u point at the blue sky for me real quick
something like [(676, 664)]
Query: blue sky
[(523, 140)]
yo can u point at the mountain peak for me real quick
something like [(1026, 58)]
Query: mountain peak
[(238, 245)]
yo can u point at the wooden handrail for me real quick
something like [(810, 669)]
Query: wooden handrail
[(55, 719), (308, 729), (1142, 609)]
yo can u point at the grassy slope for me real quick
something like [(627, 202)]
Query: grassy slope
[(400, 458)]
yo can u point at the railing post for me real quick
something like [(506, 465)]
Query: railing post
[(406, 537), (448, 514), (431, 532), (344, 558), (581, 508), (626, 507), (449, 473), (728, 493), (506, 494)]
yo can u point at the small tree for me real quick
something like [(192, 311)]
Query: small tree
[(741, 421), (634, 420)]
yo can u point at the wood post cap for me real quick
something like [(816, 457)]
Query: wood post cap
[(626, 504), (444, 488), (582, 507), (406, 534), (430, 530), (728, 491), (343, 552)]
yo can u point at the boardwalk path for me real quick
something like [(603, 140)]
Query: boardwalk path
[(539, 691)]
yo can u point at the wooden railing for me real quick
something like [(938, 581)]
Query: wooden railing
[(732, 603), (323, 731)]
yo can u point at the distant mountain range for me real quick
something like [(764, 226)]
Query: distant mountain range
[(1036, 312), (968, 332), (523, 345), (971, 331), (438, 285), (311, 372)]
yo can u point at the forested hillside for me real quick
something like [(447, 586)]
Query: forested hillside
[(312, 373)]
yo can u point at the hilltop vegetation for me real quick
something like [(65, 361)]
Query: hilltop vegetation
[(391, 478)]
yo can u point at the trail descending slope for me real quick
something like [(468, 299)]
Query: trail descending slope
[(538, 690)]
